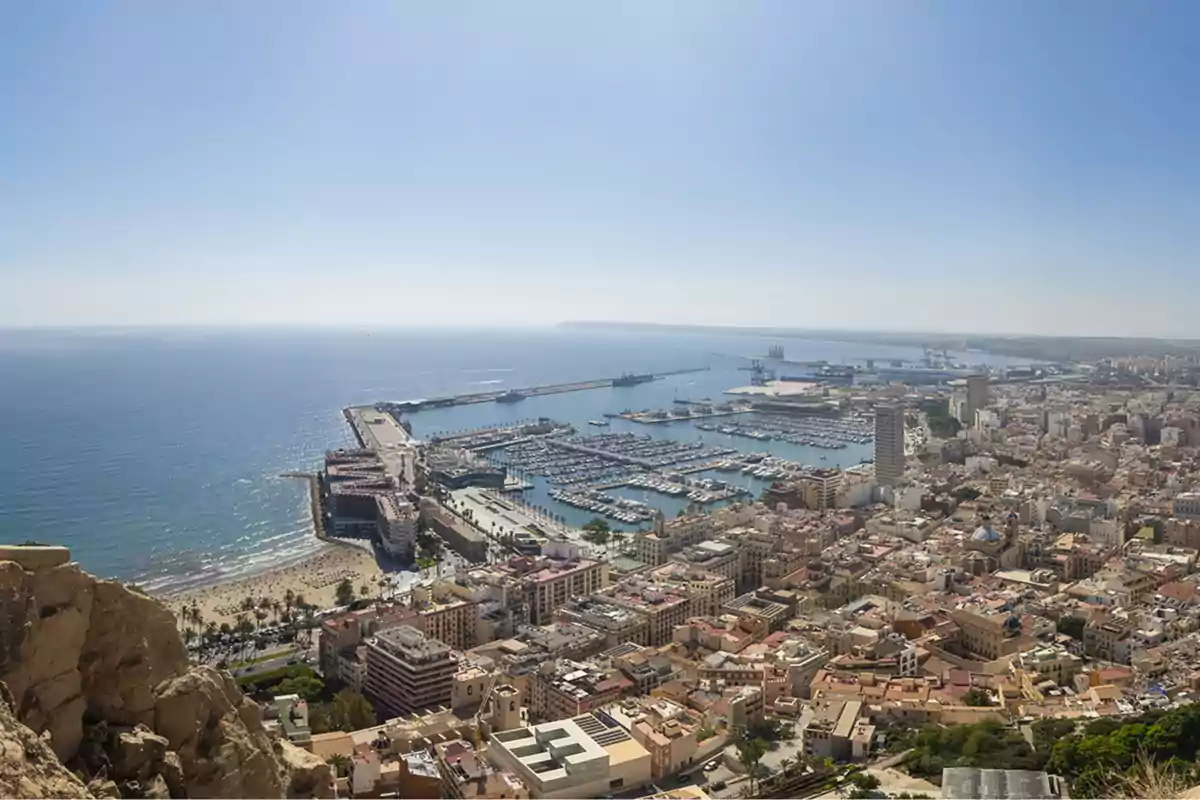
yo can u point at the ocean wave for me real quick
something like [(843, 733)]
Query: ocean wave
[(486, 383)]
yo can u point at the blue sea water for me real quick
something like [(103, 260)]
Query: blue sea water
[(156, 455)]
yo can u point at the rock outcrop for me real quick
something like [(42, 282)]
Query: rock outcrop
[(28, 767), (223, 748), (98, 672), (307, 775)]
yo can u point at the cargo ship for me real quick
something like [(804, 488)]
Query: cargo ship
[(630, 379)]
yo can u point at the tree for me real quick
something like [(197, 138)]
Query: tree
[(865, 781), (597, 537), (750, 753), (309, 687), (769, 729), (597, 525), (345, 592), (1071, 626), (977, 697), (348, 711), (340, 764)]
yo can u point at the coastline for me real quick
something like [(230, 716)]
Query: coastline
[(314, 576)]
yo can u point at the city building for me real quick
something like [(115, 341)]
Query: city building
[(889, 443), (977, 395), (467, 776), (588, 756), (828, 727), (559, 580), (563, 688), (618, 624), (408, 671)]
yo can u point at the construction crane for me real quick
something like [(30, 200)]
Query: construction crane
[(759, 375), (478, 719)]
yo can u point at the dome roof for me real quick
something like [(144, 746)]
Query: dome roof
[(985, 534)]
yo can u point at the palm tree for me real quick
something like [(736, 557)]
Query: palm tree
[(340, 764), (289, 600)]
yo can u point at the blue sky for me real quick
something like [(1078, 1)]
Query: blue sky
[(982, 166)]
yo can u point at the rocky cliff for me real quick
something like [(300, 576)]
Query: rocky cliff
[(98, 674)]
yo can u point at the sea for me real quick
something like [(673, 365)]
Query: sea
[(158, 455)]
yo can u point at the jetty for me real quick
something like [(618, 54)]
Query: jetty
[(515, 395)]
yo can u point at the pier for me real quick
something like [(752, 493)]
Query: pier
[(515, 395), (661, 417)]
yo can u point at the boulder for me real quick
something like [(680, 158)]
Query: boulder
[(28, 767), (156, 788), (102, 788), (224, 751), (172, 772), (137, 754), (307, 775)]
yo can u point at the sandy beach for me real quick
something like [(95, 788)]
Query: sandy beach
[(316, 579)]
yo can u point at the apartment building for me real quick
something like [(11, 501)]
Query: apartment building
[(667, 729), (563, 688), (559, 580), (820, 488), (708, 591), (827, 728), (467, 776), (618, 624), (452, 621), (342, 635), (397, 526), (763, 608), (716, 557), (408, 671), (665, 607)]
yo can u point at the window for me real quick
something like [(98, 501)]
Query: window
[(616, 783)]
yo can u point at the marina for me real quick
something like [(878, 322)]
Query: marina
[(664, 443), (686, 410), (821, 432)]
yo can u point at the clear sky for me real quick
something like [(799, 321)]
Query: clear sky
[(982, 166)]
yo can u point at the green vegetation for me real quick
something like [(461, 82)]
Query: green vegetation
[(770, 730), (977, 697), (309, 687), (265, 681), (1167, 742), (965, 494), (707, 732), (598, 525), (348, 711), (1071, 626), (864, 785), (983, 744), (1048, 731), (345, 592), (750, 753), (597, 532), (1107, 757), (943, 426)]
